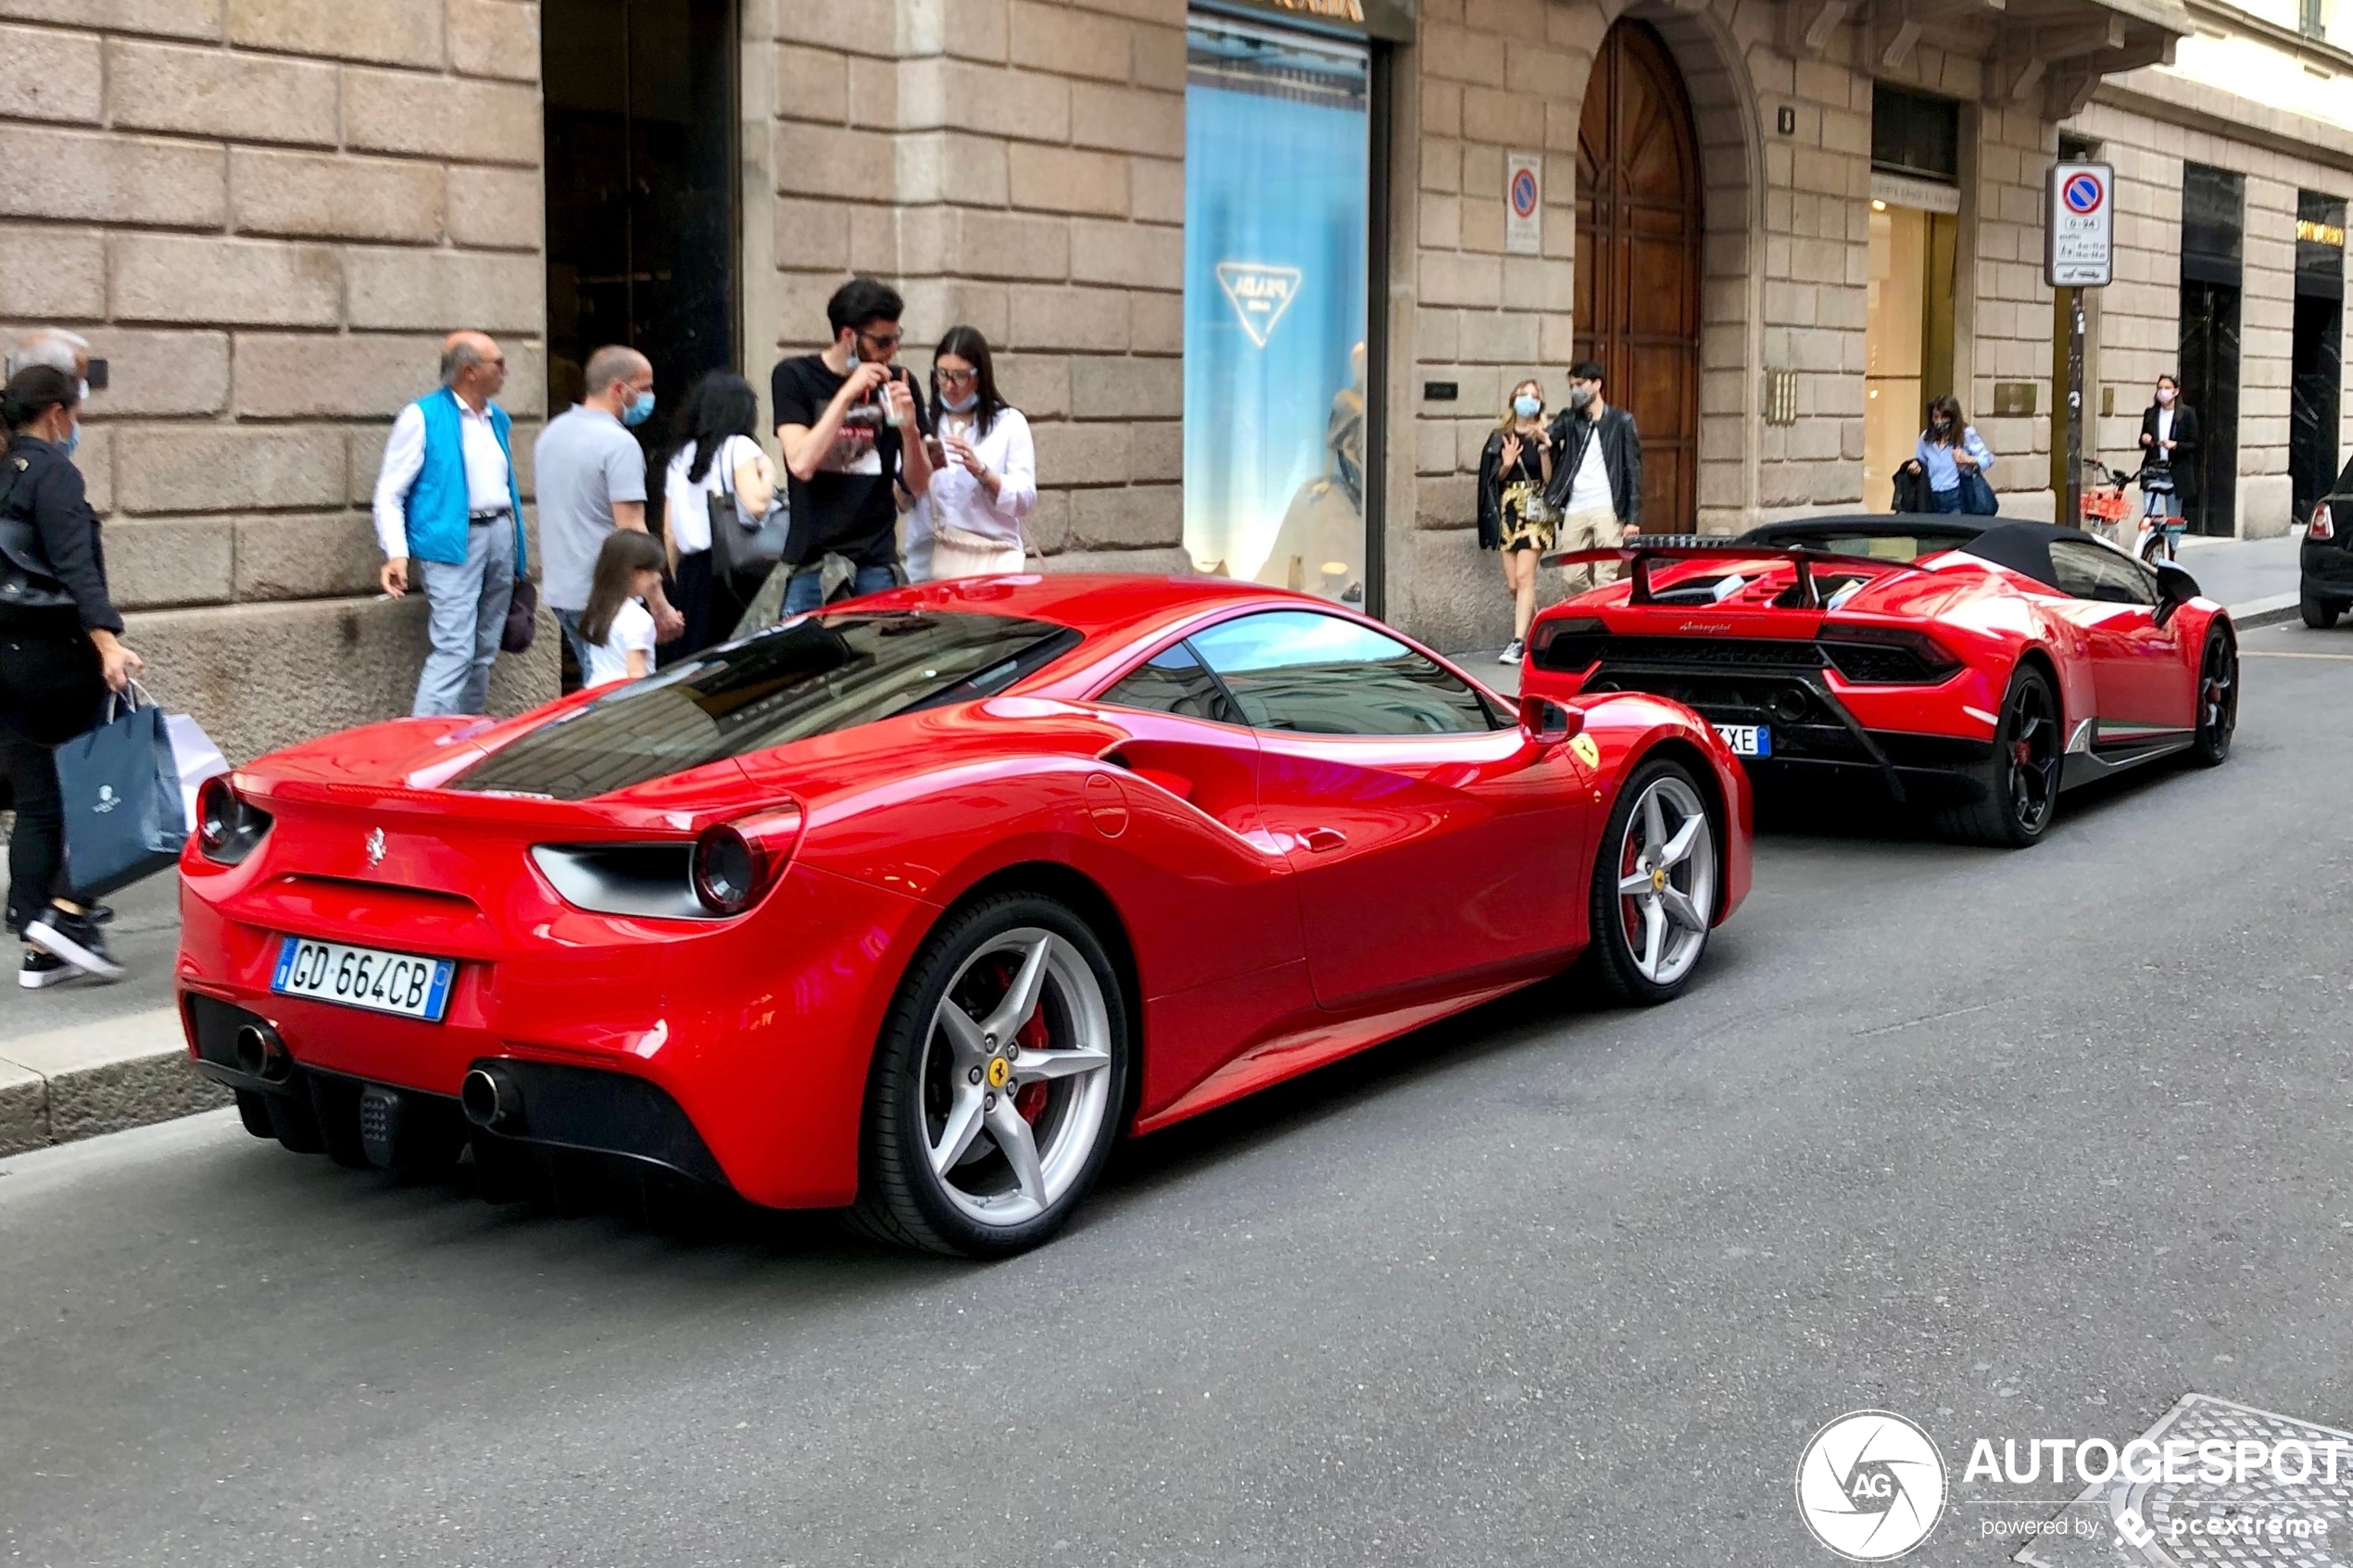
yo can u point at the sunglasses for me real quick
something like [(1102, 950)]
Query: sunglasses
[(880, 340)]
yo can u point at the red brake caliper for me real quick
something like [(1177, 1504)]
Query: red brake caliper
[(1030, 1098)]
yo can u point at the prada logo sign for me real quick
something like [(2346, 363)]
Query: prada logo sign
[(1259, 294)]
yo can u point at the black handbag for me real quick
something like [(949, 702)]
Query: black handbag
[(1977, 494), (741, 550), (523, 616)]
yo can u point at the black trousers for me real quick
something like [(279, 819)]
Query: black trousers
[(709, 603), (50, 689)]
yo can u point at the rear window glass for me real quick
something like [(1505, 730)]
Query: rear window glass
[(814, 677)]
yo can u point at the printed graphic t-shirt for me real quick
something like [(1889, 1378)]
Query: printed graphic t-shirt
[(846, 507)]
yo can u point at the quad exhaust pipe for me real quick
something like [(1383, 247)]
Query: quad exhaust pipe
[(261, 1052), (492, 1099)]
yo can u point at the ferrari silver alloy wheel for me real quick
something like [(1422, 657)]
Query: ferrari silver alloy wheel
[(1016, 1076), (1667, 880)]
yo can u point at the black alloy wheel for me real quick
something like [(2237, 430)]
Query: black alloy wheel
[(2019, 783), (2217, 700)]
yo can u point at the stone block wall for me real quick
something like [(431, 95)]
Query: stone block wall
[(1013, 165), (2139, 321), (265, 214)]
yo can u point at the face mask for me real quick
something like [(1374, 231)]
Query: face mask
[(1527, 408), (963, 405), (2165, 395), (72, 440), (1579, 397), (638, 410)]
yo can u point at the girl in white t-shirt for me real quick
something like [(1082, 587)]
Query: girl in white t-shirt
[(617, 627)]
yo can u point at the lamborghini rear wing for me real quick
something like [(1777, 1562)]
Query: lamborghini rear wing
[(1637, 554)]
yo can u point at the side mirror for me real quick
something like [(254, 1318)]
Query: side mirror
[(1548, 723), (2175, 588)]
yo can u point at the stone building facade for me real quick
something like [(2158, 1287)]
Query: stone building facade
[(265, 213)]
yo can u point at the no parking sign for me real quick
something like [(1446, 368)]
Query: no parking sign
[(1524, 204), (2080, 226)]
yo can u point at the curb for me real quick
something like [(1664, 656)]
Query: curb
[(2265, 611), (71, 1084)]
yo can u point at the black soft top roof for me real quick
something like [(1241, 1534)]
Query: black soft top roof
[(2024, 547)]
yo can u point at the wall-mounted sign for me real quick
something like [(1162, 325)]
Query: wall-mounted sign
[(1390, 19), (1905, 190), (2078, 226), (1259, 293), (2320, 234), (1524, 202)]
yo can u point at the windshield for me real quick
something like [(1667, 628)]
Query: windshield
[(811, 677)]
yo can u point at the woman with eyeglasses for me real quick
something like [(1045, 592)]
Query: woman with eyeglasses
[(984, 478)]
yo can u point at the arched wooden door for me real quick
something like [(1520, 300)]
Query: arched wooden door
[(1638, 231)]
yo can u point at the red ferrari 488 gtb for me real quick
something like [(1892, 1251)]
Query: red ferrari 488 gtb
[(914, 905), (1972, 665)]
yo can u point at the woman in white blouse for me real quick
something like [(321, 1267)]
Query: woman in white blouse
[(984, 478), (717, 454)]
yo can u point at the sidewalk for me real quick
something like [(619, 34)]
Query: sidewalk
[(2255, 577), (82, 1059)]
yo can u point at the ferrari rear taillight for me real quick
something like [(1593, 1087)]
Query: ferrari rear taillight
[(2323, 523), (737, 863), (227, 826)]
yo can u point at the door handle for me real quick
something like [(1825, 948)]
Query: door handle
[(1320, 839)]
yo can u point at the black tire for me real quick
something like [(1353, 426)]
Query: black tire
[(1613, 917), (900, 1197), (2019, 784), (2319, 613), (2218, 699)]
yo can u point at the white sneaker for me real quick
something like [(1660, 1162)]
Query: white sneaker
[(1512, 651), (43, 970)]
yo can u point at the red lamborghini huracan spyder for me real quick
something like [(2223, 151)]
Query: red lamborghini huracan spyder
[(914, 905), (1976, 666)]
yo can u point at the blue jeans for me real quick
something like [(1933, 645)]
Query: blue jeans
[(803, 593), (466, 615), (1944, 500)]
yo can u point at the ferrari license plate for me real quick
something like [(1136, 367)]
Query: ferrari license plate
[(363, 977), (1747, 740)]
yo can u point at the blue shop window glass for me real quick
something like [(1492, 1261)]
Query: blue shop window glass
[(1277, 164)]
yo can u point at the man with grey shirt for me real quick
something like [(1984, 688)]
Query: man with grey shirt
[(590, 474)]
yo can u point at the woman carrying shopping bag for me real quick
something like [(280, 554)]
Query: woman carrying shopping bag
[(60, 653), (1954, 462), (717, 455), (1514, 517), (984, 480)]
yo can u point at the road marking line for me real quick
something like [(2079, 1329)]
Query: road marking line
[(2284, 653)]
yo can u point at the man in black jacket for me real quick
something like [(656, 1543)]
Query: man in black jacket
[(1597, 475)]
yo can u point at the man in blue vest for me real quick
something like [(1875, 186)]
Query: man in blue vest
[(448, 503)]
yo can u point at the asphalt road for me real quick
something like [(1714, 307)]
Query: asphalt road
[(2023, 1143)]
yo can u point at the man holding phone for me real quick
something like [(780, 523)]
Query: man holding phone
[(854, 443)]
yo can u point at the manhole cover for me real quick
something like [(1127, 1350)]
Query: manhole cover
[(2192, 1522)]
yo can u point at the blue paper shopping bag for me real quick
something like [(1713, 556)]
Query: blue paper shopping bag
[(124, 818)]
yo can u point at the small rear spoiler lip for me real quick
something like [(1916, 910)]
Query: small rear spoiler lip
[(1639, 552)]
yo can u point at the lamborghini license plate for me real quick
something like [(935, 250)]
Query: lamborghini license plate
[(1747, 740)]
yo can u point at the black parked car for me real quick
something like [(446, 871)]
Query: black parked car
[(2327, 561)]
